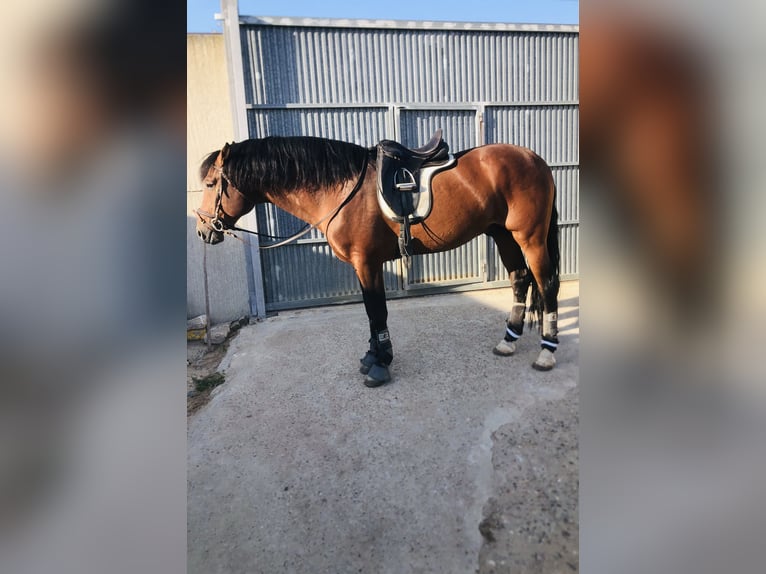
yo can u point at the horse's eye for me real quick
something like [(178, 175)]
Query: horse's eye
[(209, 185)]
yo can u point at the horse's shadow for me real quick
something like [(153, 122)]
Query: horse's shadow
[(574, 304)]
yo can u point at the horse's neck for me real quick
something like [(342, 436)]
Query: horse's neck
[(308, 205)]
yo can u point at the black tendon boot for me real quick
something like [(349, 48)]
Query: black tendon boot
[(378, 373)]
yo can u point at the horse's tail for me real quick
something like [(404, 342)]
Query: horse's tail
[(554, 257)]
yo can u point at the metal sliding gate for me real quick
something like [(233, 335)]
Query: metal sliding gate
[(362, 81)]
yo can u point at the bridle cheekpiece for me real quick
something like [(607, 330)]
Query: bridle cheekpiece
[(216, 219)]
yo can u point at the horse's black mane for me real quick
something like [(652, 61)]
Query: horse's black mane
[(282, 164)]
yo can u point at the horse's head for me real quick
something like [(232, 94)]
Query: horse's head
[(222, 203)]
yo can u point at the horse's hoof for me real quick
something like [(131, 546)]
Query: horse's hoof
[(545, 361), (367, 362), (377, 375), (505, 348)]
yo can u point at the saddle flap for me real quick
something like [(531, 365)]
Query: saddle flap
[(394, 181), (405, 195)]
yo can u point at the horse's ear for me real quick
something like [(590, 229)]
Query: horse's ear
[(225, 152)]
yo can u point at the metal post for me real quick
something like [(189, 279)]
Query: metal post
[(486, 245), (232, 41), (208, 322)]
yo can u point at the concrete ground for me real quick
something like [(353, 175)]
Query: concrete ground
[(465, 462)]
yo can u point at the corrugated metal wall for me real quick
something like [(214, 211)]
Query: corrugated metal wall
[(361, 82)]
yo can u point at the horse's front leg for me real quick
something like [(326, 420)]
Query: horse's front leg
[(378, 358)]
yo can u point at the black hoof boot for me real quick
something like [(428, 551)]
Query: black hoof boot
[(380, 351), (377, 375), (367, 362)]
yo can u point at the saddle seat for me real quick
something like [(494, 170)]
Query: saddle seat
[(434, 152)]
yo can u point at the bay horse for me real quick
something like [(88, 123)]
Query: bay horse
[(502, 190)]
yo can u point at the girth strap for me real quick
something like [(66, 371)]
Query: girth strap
[(404, 240)]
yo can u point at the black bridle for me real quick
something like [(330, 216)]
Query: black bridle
[(217, 219)]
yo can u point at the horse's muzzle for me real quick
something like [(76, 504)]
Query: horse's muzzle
[(209, 235)]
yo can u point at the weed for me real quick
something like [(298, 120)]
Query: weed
[(209, 382)]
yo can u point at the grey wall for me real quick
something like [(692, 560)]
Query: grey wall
[(209, 126)]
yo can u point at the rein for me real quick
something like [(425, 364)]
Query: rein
[(218, 223)]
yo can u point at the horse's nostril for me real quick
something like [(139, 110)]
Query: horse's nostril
[(199, 234)]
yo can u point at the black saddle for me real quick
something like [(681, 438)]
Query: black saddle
[(399, 186), (434, 152), (399, 170)]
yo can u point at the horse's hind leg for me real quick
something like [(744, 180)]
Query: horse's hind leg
[(545, 301), (521, 278), (375, 363)]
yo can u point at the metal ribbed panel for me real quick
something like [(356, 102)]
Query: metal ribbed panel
[(569, 245), (567, 193), (362, 126), (551, 131), (311, 65), (310, 272), (568, 205), (459, 127), (287, 270)]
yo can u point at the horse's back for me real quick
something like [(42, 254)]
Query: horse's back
[(507, 155), (502, 168)]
